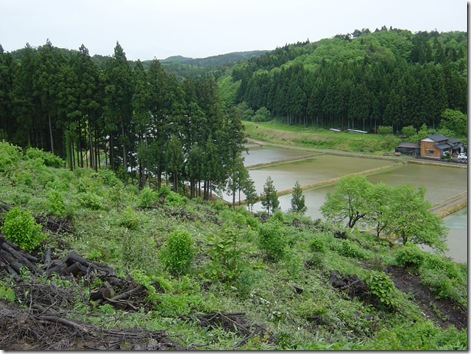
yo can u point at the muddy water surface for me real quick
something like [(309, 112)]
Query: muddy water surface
[(313, 170), (440, 183)]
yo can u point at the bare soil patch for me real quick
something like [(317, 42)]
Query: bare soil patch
[(444, 312)]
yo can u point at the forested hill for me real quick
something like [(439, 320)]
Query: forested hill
[(184, 67), (360, 80)]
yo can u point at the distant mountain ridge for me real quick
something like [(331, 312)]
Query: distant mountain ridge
[(216, 60)]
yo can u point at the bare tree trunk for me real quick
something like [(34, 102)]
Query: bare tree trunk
[(50, 134), (92, 157)]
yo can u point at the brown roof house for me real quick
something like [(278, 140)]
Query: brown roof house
[(436, 146), (433, 146)]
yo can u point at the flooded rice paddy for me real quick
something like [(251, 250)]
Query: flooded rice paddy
[(440, 182)]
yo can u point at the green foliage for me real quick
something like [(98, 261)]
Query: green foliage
[(90, 200), (272, 240), (56, 205), (147, 198), (129, 219), (415, 336), (455, 121), (408, 131), (293, 264), (46, 157), (269, 196), (178, 252), (385, 130), (382, 287), (349, 201), (298, 203), (6, 293), (226, 256), (21, 228), (9, 156), (352, 249), (262, 115), (317, 244), (410, 256), (175, 199), (109, 178)]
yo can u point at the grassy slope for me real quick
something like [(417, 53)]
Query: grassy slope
[(109, 225), (310, 137)]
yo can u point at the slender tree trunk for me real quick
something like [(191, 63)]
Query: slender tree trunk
[(50, 133), (92, 162), (125, 159), (111, 152)]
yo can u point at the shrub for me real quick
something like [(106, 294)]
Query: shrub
[(381, 286), (147, 198), (19, 227), (272, 240), (351, 249), (383, 130), (177, 252), (317, 245), (175, 199), (48, 158), (438, 263), (410, 256), (129, 219), (55, 202), (226, 256), (109, 178), (90, 200), (9, 156), (7, 293)]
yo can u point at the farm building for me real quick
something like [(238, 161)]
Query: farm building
[(433, 146), (408, 149)]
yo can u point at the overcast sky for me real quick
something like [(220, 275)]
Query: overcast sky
[(202, 28)]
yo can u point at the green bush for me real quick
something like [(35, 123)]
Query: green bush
[(109, 177), (438, 263), (381, 286), (175, 199), (383, 130), (129, 219), (9, 156), (90, 200), (410, 255), (47, 158), (272, 240), (7, 293), (147, 198), (317, 245), (352, 249), (178, 252), (55, 203), (226, 256), (20, 228)]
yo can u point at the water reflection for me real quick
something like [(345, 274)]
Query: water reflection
[(440, 183)]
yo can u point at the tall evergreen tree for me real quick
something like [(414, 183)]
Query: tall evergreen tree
[(269, 197), (298, 203)]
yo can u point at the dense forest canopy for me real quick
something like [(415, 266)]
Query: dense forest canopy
[(183, 121), (360, 80), (145, 121)]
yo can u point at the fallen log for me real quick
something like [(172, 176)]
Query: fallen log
[(74, 257), (75, 269), (12, 261), (10, 270), (127, 294), (22, 257), (65, 322)]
